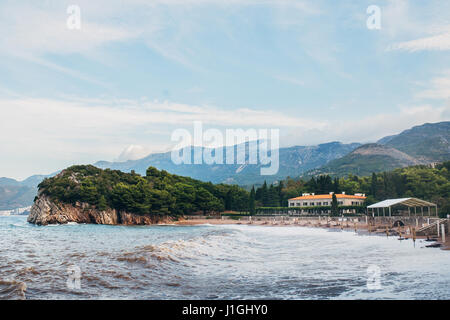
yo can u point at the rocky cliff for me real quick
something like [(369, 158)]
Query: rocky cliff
[(45, 211)]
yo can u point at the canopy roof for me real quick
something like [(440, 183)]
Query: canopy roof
[(409, 202)]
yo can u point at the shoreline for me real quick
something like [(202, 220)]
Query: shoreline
[(360, 228)]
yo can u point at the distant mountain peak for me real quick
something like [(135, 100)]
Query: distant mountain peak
[(365, 159), (382, 150), (293, 162), (429, 142)]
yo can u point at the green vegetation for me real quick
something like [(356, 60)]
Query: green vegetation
[(428, 141), (252, 201), (364, 160), (271, 196), (165, 194), (334, 206), (158, 193), (361, 165), (424, 182)]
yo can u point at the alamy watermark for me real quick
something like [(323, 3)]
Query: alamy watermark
[(74, 18), (374, 20), (373, 277), (252, 147), (73, 281)]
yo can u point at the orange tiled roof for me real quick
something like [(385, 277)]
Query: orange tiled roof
[(328, 196)]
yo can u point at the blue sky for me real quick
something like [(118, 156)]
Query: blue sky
[(137, 70)]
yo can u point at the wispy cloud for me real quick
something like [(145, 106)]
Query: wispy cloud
[(38, 31), (370, 128), (438, 42), (99, 129), (438, 87), (291, 80), (412, 27), (161, 24), (49, 134), (134, 152), (93, 116), (257, 53), (65, 70)]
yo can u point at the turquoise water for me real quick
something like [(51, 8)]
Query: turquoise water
[(213, 262)]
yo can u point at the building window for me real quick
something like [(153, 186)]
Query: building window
[(340, 202), (311, 203), (318, 203), (298, 204), (305, 204), (325, 203)]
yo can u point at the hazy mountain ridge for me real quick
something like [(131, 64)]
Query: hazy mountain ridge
[(31, 181), (419, 145), (293, 161), (429, 142), (17, 194), (366, 159), (424, 144), (12, 197)]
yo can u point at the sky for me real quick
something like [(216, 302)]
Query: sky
[(134, 71)]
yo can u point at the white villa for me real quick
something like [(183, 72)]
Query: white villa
[(320, 200)]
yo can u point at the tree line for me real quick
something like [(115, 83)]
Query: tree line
[(424, 182), (158, 192)]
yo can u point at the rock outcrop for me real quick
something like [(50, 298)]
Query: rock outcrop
[(46, 211)]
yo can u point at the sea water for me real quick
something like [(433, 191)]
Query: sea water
[(213, 262)]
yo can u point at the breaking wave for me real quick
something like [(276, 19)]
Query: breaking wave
[(211, 262), (12, 290), (215, 244)]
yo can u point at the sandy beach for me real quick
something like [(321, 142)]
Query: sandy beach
[(360, 227)]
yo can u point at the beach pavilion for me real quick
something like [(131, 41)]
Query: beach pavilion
[(403, 207)]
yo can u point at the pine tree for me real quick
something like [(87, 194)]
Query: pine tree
[(252, 210), (374, 186), (328, 184), (334, 206), (228, 200), (273, 199), (389, 186), (264, 195), (312, 185), (336, 188), (102, 205), (281, 199)]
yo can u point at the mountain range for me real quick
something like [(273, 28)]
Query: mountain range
[(18, 194), (366, 159), (422, 144), (293, 161), (427, 143)]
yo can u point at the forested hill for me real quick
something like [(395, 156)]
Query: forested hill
[(429, 142), (158, 193), (366, 159)]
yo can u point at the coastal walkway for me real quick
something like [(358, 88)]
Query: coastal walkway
[(434, 228)]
